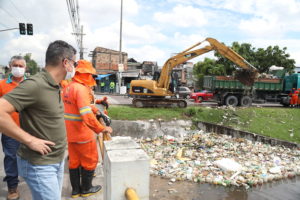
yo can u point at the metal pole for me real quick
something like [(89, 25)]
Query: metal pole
[(81, 47), (8, 29), (120, 56)]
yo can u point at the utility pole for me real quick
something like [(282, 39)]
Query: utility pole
[(81, 47), (79, 36), (120, 56), (120, 66)]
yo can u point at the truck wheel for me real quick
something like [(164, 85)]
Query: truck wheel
[(246, 101), (231, 101)]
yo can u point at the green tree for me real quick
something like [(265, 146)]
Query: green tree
[(207, 67), (245, 50), (273, 56), (260, 58), (32, 66)]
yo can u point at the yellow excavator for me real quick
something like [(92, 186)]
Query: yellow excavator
[(157, 93)]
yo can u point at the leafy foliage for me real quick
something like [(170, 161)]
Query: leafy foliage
[(207, 67), (32, 66), (260, 58)]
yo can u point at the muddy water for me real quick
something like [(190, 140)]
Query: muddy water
[(288, 189)]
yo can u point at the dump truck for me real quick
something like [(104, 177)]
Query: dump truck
[(230, 92)]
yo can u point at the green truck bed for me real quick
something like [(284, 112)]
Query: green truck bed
[(229, 83)]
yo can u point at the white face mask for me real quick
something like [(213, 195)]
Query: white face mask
[(71, 74), (17, 71)]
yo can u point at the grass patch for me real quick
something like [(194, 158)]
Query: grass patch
[(281, 123), (132, 113)]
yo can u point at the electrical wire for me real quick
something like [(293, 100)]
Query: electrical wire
[(10, 15), (18, 10), (73, 10), (3, 25)]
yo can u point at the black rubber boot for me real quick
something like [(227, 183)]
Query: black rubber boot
[(86, 183), (75, 182)]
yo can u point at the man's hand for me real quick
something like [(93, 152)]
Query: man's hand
[(107, 129), (39, 145)]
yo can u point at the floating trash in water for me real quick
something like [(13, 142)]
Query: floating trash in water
[(220, 160)]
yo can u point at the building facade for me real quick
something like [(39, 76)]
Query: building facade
[(108, 60)]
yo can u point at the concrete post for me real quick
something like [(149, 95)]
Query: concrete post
[(126, 165)]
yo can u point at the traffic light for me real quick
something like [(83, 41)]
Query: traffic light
[(29, 29), (22, 29)]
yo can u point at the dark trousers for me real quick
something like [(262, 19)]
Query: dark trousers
[(10, 147)]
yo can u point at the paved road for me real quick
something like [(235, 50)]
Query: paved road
[(125, 100)]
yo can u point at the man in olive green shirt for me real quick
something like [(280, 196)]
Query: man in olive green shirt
[(42, 134)]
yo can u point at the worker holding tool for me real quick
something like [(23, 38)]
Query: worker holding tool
[(81, 124)]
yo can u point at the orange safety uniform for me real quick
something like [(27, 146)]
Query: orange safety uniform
[(294, 99), (64, 83), (7, 85), (81, 123), (298, 97)]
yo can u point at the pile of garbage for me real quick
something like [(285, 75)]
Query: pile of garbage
[(220, 159)]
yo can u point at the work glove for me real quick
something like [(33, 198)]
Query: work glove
[(105, 118)]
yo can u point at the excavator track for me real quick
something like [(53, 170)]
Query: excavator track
[(160, 102)]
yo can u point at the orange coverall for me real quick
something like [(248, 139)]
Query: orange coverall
[(294, 99), (81, 124), (7, 85), (298, 97)]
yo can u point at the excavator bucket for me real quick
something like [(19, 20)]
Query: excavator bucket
[(245, 76)]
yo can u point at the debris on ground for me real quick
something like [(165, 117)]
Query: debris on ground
[(220, 159)]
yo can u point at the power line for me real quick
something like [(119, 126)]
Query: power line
[(9, 14), (73, 9), (3, 25), (18, 10)]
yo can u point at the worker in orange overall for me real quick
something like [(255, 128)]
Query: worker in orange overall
[(294, 98), (82, 124), (298, 103), (9, 145), (64, 83)]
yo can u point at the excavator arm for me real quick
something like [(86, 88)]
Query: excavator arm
[(188, 54)]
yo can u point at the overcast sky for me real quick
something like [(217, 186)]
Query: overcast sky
[(152, 29)]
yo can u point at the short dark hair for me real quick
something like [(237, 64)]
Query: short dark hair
[(57, 51)]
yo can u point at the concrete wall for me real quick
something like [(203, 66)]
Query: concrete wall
[(126, 165), (177, 128), (150, 128), (209, 127)]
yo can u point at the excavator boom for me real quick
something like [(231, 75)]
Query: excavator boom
[(159, 89)]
